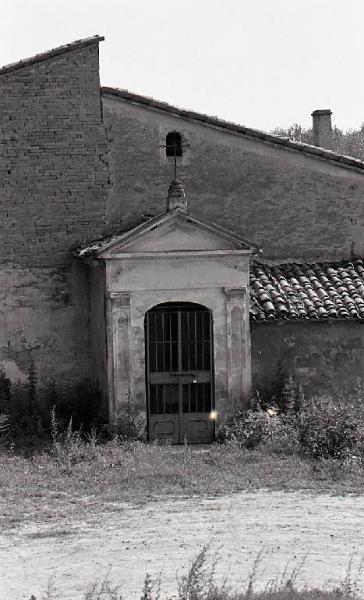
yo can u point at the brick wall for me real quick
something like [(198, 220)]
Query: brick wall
[(54, 182), (53, 158), (325, 357), (295, 205)]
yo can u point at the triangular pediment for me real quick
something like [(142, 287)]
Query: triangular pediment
[(173, 231)]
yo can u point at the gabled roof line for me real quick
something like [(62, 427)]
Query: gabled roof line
[(51, 53), (339, 159), (124, 237)]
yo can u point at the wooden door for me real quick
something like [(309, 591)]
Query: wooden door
[(179, 373)]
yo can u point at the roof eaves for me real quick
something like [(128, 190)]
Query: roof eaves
[(322, 153), (50, 54)]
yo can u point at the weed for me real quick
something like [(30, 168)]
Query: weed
[(103, 590), (198, 584), (151, 589), (69, 446)]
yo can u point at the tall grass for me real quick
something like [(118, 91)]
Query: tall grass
[(200, 584)]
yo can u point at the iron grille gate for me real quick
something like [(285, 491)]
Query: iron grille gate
[(179, 366)]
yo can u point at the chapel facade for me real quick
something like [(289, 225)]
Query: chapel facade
[(176, 298)]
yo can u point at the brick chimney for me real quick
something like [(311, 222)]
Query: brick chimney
[(322, 130)]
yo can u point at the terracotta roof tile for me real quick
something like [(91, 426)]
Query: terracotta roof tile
[(308, 291)]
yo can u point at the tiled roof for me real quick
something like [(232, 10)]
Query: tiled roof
[(307, 291), (287, 143), (51, 53)]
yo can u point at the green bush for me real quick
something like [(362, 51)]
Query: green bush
[(247, 428), (283, 436), (319, 427), (331, 427)]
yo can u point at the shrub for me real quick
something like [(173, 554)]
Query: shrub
[(283, 437), (247, 428), (291, 398), (319, 427), (330, 427)]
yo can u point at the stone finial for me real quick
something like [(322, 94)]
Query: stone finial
[(176, 196)]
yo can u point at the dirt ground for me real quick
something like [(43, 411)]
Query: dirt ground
[(127, 540)]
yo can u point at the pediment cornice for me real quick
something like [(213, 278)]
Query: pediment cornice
[(131, 244)]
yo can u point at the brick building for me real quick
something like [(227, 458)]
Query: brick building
[(176, 299)]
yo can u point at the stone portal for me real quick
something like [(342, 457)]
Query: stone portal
[(187, 365)]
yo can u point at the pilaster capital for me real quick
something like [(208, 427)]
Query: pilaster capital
[(119, 299), (237, 293)]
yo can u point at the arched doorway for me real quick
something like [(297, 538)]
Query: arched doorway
[(179, 372)]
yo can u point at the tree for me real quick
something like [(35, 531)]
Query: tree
[(350, 142)]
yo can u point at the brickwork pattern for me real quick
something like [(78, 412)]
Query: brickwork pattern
[(53, 158), (54, 180)]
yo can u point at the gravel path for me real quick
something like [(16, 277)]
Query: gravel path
[(128, 540)]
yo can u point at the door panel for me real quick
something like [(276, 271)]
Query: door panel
[(197, 428), (179, 373), (196, 397)]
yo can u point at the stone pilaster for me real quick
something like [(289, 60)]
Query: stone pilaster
[(118, 342), (238, 347)]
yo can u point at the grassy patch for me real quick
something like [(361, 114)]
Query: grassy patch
[(140, 472)]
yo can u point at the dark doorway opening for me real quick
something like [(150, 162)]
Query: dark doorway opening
[(179, 373)]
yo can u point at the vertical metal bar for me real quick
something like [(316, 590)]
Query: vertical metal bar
[(188, 341), (195, 341), (179, 346), (147, 369), (170, 343), (179, 335), (163, 346), (155, 341), (212, 370), (203, 342)]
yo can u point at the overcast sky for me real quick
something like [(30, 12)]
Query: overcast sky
[(260, 63)]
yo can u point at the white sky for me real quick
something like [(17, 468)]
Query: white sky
[(260, 63)]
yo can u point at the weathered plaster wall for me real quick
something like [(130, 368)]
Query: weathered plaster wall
[(324, 356), (97, 313), (295, 205), (53, 187), (134, 286), (44, 319)]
